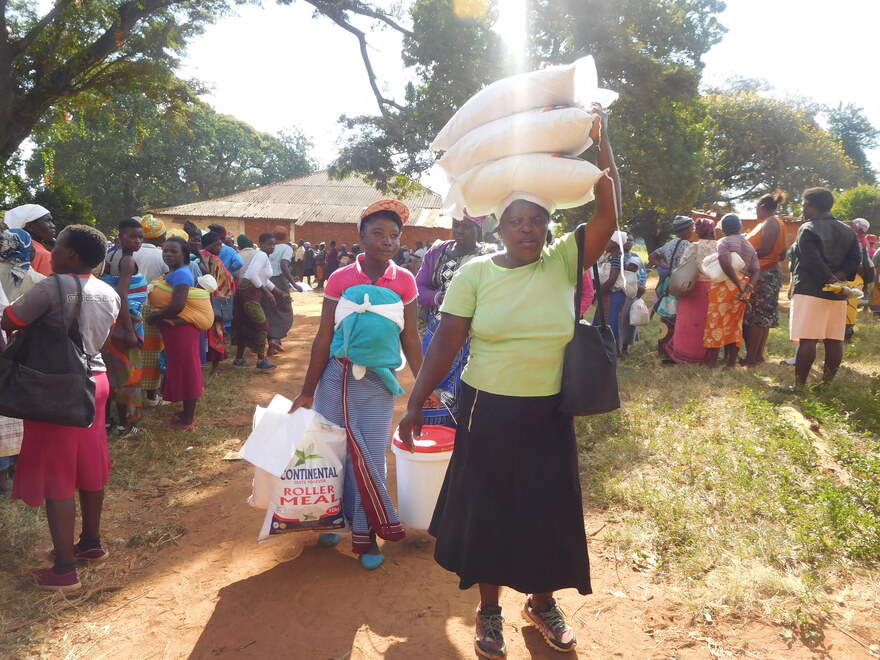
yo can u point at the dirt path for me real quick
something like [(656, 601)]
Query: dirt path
[(215, 592)]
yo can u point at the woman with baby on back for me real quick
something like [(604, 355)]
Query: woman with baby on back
[(371, 304)]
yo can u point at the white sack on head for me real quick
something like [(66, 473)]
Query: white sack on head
[(551, 130), (565, 181), (575, 84)]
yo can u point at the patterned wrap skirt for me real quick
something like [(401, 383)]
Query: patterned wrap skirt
[(280, 316), (510, 510), (249, 323), (365, 408), (725, 315), (762, 310)]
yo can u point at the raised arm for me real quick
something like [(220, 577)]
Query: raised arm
[(608, 193)]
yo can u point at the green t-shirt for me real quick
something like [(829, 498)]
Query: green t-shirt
[(521, 320)]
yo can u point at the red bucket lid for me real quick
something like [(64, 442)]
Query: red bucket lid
[(434, 439)]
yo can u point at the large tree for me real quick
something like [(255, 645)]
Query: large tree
[(138, 152), (760, 142), (648, 50), (863, 201), (855, 132), (51, 54)]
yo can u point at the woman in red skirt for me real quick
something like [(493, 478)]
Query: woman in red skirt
[(183, 370), (56, 460)]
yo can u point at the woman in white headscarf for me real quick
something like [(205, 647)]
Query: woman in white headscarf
[(36, 220)]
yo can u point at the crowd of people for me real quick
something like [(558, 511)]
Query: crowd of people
[(735, 283), (160, 306)]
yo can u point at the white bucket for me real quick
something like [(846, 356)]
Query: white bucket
[(420, 474)]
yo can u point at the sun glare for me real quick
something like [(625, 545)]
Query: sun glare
[(512, 26)]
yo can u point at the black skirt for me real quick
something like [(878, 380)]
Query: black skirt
[(510, 511)]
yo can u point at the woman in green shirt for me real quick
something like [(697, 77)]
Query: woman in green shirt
[(510, 510)]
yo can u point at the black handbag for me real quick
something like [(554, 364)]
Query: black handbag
[(589, 369), (222, 308), (45, 374)]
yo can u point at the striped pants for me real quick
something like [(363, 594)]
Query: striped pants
[(370, 409)]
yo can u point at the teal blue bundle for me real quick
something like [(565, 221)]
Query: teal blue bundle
[(370, 338)]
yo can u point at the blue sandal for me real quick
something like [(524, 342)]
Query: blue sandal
[(372, 562), (328, 540)]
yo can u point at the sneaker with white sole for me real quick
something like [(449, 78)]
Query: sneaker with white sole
[(552, 626), (48, 579), (489, 632)]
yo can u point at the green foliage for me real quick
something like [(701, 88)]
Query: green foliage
[(760, 143), (863, 201), (67, 207), (142, 152), (452, 58), (853, 129), (52, 54), (648, 51)]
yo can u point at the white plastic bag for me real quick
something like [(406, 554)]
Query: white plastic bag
[(639, 314), (575, 84), (271, 443), (308, 494), (545, 130), (713, 269), (627, 281), (566, 181)]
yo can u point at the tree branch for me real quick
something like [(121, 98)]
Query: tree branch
[(338, 17), (335, 7), (21, 45)]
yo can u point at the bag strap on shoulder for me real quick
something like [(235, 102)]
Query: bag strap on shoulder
[(579, 287), (74, 320)]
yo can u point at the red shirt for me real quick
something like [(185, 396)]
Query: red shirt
[(42, 261), (398, 279)]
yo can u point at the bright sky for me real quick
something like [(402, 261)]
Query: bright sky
[(276, 67)]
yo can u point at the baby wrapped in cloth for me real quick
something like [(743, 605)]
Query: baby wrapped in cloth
[(369, 320)]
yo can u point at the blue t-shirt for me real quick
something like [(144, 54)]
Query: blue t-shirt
[(180, 276)]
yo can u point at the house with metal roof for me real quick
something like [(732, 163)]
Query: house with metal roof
[(312, 208)]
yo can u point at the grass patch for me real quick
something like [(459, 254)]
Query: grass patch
[(722, 484), (140, 463)]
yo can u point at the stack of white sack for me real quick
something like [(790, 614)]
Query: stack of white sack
[(520, 138)]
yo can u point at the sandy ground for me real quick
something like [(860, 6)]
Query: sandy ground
[(216, 592)]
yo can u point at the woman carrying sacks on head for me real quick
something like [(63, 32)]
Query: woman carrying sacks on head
[(762, 310), (56, 460), (122, 354), (211, 246), (510, 511), (368, 317), (440, 263)]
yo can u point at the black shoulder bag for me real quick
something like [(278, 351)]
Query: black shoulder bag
[(589, 370), (45, 374)]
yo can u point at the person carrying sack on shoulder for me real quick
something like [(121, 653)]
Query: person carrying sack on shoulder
[(667, 258)]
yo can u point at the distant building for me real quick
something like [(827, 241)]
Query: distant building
[(313, 208)]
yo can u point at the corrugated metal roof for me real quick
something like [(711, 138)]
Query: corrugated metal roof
[(310, 198)]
